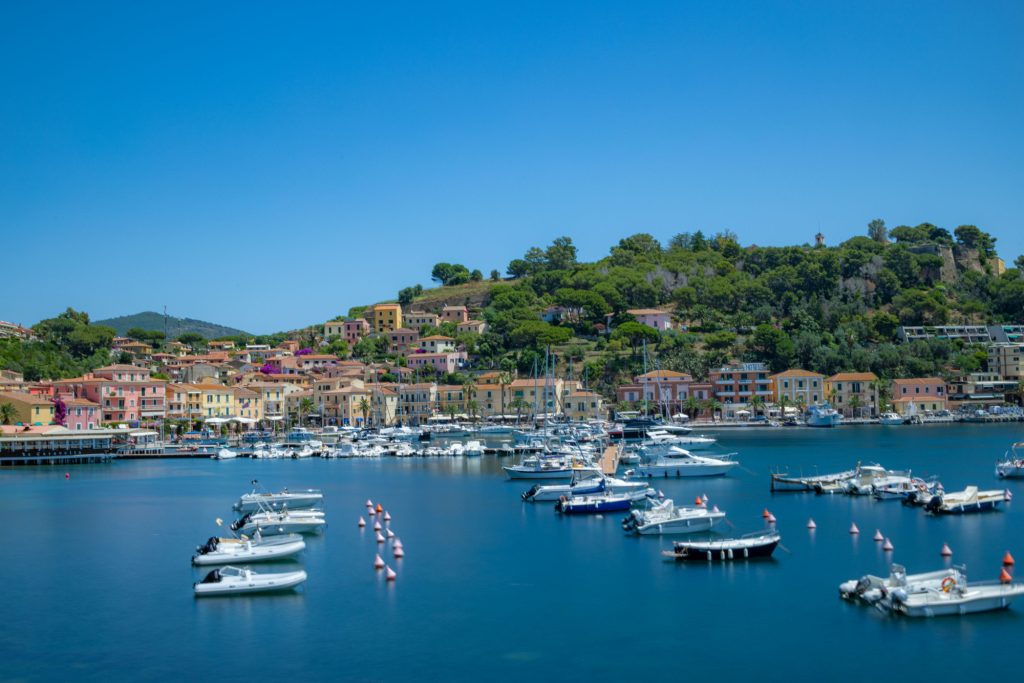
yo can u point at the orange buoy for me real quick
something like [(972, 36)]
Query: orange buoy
[(811, 524), (376, 526), (380, 508), (1004, 576), (399, 552), (387, 516), (378, 562), (887, 546), (765, 514), (946, 551), (1007, 559), (362, 522), (697, 501), (878, 536), (771, 519), (389, 573), (380, 539), (854, 529)]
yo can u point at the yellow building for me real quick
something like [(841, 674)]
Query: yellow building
[(453, 398), (583, 405), (384, 317), (29, 408), (799, 387), (854, 394), (216, 400), (334, 328)]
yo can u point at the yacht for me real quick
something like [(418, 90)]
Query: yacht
[(823, 416), (1012, 465), (473, 449), (666, 518), (659, 442), (598, 503), (890, 419), (549, 467), (682, 463), (225, 454), (638, 427)]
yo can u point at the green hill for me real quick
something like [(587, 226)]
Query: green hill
[(150, 320)]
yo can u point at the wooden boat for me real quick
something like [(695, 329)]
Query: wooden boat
[(759, 544), (785, 482)]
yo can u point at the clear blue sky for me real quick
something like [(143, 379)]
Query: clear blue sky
[(269, 165)]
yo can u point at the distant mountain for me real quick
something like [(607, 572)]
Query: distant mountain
[(149, 320)]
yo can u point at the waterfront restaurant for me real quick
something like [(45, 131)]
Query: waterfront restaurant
[(53, 444)]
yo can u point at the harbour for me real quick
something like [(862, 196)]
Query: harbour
[(490, 582)]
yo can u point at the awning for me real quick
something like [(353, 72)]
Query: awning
[(216, 420), (274, 418), (245, 420)]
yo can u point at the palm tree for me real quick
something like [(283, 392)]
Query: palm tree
[(519, 404), (505, 378), (757, 403), (452, 410), (364, 408), (692, 406), (306, 407), (713, 405), (8, 413), (801, 403), (855, 403), (472, 407), (782, 403)]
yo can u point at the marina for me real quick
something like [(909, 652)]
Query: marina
[(468, 535)]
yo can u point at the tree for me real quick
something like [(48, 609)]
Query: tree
[(877, 231), (773, 346), (757, 404), (712, 405), (8, 413), (476, 276), (782, 403), (450, 273), (407, 294), (364, 408), (306, 407), (495, 275), (519, 404), (692, 406), (561, 255), (855, 404), (636, 334), (972, 237), (60, 411), (191, 338)]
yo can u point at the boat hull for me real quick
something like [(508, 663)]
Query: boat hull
[(679, 525), (682, 469), (592, 507), (971, 601), (247, 555), (720, 552), (262, 583)]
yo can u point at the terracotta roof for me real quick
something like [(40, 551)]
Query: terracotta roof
[(81, 402), (122, 367), (436, 337), (853, 377), (646, 311), (664, 374), (24, 398), (798, 373), (918, 381)]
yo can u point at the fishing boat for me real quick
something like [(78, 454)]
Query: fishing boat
[(244, 550), (682, 463), (954, 596), (666, 518), (237, 580), (293, 500), (890, 419), (274, 522), (787, 482), (1012, 465), (600, 502), (224, 454), (870, 589), (580, 486), (968, 500), (907, 489), (751, 546), (823, 416)]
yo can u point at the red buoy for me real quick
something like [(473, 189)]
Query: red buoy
[(766, 514), (1004, 576), (1007, 559), (380, 508)]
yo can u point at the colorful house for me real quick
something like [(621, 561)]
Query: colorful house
[(418, 319), (436, 343), (402, 339), (384, 317), (334, 328), (799, 387), (914, 395), (854, 394), (82, 414), (741, 383), (454, 314), (355, 329), (29, 408), (125, 393), (652, 317)]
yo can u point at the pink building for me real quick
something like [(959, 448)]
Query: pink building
[(442, 362), (82, 414), (124, 393), (652, 317), (454, 314), (356, 329), (664, 388)]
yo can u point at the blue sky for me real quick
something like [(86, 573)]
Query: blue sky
[(268, 166)]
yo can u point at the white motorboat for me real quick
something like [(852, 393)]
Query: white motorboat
[(760, 544), (890, 419), (237, 580), (244, 550), (659, 443), (666, 518), (546, 467), (457, 449), (273, 522), (909, 489), (293, 500), (787, 482), (305, 451), (473, 449), (682, 463), (224, 454), (864, 479), (1012, 465), (871, 589), (582, 486), (599, 503), (823, 416), (954, 597), (968, 500)]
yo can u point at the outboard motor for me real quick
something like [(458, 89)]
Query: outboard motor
[(529, 494), (934, 505), (239, 523), (910, 498)]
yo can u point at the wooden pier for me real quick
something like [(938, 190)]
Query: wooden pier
[(610, 460)]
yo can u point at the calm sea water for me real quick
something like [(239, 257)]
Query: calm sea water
[(97, 582)]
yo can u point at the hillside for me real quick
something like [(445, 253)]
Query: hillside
[(150, 320)]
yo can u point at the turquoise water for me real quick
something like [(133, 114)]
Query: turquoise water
[(97, 582)]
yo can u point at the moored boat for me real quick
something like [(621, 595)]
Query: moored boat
[(759, 544), (955, 597), (236, 580), (224, 454), (600, 502), (246, 550), (787, 482), (666, 518), (682, 463), (293, 500), (968, 500), (871, 589), (823, 416), (1012, 465), (582, 486), (273, 522)]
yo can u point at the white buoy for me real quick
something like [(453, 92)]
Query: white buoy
[(854, 529), (389, 533), (376, 526), (387, 516), (811, 524), (704, 497), (887, 546), (878, 536), (362, 522), (371, 512), (389, 573), (399, 551), (946, 551), (378, 562), (1007, 495), (714, 508), (369, 503), (661, 495), (380, 539), (398, 542), (771, 519)]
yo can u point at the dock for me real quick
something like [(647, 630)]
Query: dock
[(610, 460)]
